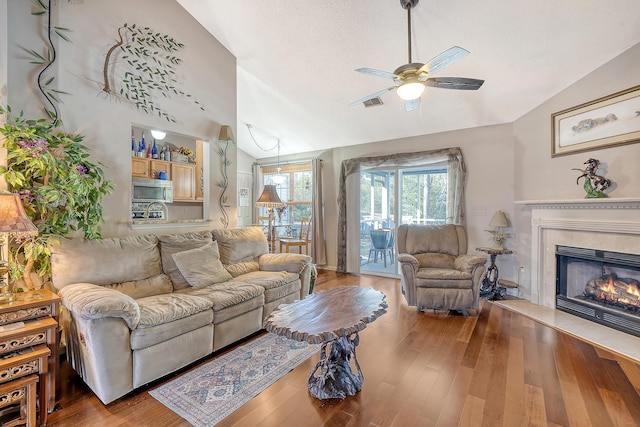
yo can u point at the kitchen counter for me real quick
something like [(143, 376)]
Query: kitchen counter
[(163, 223)]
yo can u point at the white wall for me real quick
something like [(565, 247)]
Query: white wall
[(539, 176), (208, 72), (488, 155)]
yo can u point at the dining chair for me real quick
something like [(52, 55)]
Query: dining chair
[(381, 239), (301, 241)]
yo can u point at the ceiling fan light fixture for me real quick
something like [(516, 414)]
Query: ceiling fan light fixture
[(410, 90)]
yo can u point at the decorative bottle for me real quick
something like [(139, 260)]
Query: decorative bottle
[(141, 147), (167, 155), (154, 150), (134, 149), (162, 153)]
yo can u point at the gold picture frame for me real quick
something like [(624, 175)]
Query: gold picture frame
[(609, 121)]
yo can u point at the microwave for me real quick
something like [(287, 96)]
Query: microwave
[(151, 190)]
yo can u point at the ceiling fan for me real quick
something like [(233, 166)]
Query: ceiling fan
[(412, 78)]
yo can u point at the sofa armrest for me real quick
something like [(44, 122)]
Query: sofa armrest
[(468, 262), (95, 302), (293, 263)]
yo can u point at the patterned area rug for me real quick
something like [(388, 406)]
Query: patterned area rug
[(208, 394)]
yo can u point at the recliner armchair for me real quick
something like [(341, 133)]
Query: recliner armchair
[(437, 273)]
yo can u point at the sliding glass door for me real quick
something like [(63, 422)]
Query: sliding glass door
[(397, 196)]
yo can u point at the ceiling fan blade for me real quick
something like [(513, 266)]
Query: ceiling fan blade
[(443, 60), (378, 73), (459, 83), (373, 95), (412, 105)]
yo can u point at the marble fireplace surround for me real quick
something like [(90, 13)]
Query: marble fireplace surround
[(611, 224)]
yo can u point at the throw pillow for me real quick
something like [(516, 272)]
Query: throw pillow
[(201, 266)]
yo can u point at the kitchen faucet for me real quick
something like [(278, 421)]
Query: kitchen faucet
[(164, 208)]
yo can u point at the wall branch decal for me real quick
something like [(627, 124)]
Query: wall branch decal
[(149, 64)]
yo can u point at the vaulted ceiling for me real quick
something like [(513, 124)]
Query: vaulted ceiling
[(296, 61)]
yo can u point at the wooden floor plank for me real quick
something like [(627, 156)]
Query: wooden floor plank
[(492, 368)]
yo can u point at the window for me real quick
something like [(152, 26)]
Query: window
[(424, 196), (294, 186)]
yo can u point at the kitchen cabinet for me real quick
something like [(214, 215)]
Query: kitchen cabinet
[(140, 167), (184, 181), (157, 166)]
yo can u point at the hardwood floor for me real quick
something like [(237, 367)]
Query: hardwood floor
[(493, 368)]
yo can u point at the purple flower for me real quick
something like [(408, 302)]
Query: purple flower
[(20, 239), (37, 148), (82, 168), (27, 196)]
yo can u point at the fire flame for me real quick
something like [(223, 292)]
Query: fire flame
[(608, 293)]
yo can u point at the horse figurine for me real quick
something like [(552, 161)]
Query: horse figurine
[(594, 184)]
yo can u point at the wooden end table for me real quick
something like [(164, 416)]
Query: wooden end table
[(332, 317), (29, 343)]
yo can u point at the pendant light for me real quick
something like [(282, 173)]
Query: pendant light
[(278, 179)]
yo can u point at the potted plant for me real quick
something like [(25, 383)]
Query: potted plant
[(314, 276), (61, 190)]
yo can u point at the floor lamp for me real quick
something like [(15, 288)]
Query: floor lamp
[(269, 199), (13, 222)]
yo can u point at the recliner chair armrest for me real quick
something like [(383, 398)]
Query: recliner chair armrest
[(95, 302), (409, 259), (408, 267), (468, 262)]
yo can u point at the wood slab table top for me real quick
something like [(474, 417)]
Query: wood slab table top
[(327, 315)]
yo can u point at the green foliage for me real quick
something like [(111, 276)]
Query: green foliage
[(150, 57), (61, 189)]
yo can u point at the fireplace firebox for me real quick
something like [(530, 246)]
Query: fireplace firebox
[(601, 286)]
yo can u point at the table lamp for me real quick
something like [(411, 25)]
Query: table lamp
[(14, 222), (498, 222), (269, 199)]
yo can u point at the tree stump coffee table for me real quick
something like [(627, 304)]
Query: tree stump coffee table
[(332, 317)]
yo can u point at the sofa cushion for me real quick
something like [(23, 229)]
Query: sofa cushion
[(276, 284), (244, 267), (152, 335), (240, 244), (148, 287), (160, 309), (230, 299), (201, 266), (435, 238), (105, 261), (174, 243), (443, 278), (435, 260)]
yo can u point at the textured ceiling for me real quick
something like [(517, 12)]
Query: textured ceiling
[(296, 62)]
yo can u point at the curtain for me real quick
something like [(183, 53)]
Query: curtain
[(456, 180), (318, 247)]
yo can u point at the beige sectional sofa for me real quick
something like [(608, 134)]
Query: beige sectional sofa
[(141, 307)]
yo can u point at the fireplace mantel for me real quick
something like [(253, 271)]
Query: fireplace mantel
[(607, 203), (607, 224)]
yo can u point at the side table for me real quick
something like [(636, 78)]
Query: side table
[(332, 317), (29, 334), (489, 288)]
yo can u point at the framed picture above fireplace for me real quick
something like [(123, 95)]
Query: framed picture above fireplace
[(605, 122)]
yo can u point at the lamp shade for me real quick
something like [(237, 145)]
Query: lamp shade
[(499, 220), (269, 198), (226, 133), (13, 219)]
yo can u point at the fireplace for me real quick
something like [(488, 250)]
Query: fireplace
[(599, 285)]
